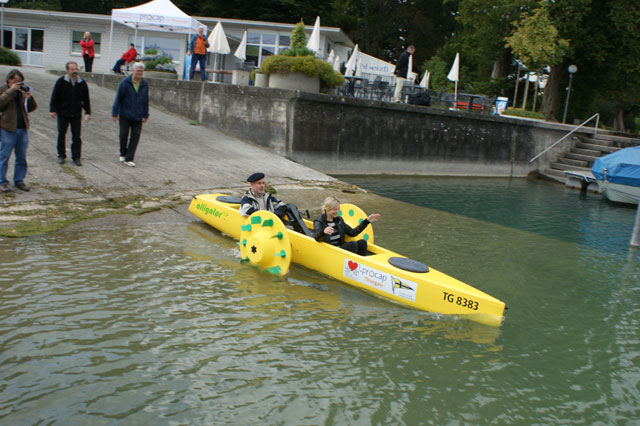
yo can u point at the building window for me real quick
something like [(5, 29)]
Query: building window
[(263, 44), (28, 43), (164, 45), (76, 36)]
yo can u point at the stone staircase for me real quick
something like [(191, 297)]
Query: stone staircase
[(583, 152)]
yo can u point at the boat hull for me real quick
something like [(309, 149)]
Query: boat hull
[(431, 291), (619, 193)]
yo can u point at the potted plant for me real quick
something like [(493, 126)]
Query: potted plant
[(297, 68), (158, 66)]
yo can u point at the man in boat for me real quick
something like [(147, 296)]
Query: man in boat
[(256, 199), (331, 228)]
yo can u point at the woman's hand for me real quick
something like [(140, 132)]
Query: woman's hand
[(329, 230), (373, 217)]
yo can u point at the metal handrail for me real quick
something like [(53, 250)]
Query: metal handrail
[(597, 115)]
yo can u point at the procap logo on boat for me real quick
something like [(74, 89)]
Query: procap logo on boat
[(380, 280)]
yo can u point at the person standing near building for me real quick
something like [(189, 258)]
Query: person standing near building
[(70, 95), (16, 102), (131, 105), (198, 47), (88, 51), (402, 68), (127, 57)]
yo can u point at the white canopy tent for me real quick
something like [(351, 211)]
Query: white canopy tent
[(156, 15)]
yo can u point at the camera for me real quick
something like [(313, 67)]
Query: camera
[(24, 87)]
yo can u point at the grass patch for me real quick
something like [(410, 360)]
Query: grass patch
[(72, 172), (524, 114)]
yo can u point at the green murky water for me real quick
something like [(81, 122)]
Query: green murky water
[(159, 323)]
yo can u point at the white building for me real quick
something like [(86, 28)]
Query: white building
[(49, 39)]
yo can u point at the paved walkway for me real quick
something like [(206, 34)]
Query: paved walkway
[(172, 157)]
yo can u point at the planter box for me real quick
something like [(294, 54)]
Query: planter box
[(240, 77), (165, 75), (262, 80), (294, 81)]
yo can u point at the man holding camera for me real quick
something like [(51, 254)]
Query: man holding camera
[(16, 102), (69, 97)]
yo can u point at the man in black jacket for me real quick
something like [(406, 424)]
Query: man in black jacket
[(401, 71), (69, 96)]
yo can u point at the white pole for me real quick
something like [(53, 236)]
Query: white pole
[(2, 25), (635, 235), (110, 39)]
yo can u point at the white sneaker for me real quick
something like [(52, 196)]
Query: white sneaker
[(130, 163), (122, 159)]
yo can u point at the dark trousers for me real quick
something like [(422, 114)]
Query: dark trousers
[(117, 68), (128, 151), (358, 247), (76, 141), (88, 63), (202, 60)]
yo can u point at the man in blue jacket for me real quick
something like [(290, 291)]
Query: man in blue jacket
[(131, 105)]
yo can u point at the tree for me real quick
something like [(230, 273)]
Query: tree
[(535, 40)]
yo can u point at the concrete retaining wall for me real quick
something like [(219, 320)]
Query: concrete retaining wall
[(353, 136)]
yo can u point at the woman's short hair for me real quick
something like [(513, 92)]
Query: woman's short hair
[(330, 203), (86, 34), (13, 73)]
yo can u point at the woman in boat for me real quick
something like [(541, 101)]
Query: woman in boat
[(331, 229)]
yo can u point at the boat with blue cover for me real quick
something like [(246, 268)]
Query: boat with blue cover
[(618, 175)]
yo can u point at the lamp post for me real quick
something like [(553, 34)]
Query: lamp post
[(572, 70), (2, 25)]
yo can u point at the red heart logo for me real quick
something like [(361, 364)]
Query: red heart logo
[(352, 265)]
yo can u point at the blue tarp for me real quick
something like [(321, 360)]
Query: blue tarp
[(623, 167)]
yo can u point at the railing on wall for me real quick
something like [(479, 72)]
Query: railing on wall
[(596, 116)]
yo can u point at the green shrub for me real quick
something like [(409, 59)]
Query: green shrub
[(300, 59), (152, 65), (308, 65), (7, 57), (151, 52)]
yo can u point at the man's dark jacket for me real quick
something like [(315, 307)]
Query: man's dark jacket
[(402, 67), (68, 99), (130, 104)]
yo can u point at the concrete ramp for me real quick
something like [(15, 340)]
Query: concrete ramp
[(173, 155)]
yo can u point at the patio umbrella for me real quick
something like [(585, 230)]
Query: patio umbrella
[(314, 41), (425, 80), (332, 55), (351, 63), (453, 74), (241, 51), (336, 63), (359, 69), (218, 41), (218, 44)]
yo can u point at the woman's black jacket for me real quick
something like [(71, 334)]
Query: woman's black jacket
[(320, 223)]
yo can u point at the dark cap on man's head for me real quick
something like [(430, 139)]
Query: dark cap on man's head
[(254, 177)]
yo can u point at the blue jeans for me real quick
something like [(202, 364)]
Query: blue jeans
[(18, 141), (198, 59)]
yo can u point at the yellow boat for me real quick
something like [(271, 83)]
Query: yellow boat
[(265, 241)]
